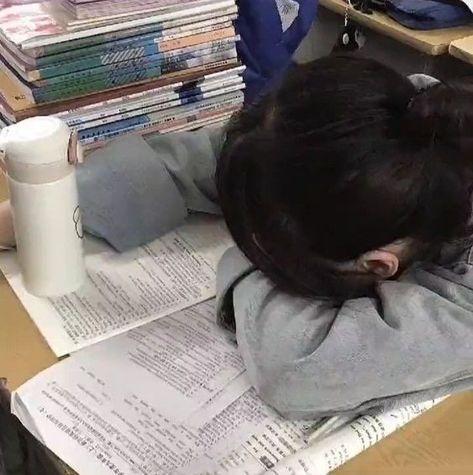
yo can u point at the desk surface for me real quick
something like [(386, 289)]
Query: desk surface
[(434, 43), (463, 49), (437, 443)]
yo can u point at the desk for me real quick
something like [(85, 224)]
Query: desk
[(433, 43), (462, 49), (437, 443)]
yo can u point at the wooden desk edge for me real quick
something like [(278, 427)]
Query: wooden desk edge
[(394, 30), (457, 51)]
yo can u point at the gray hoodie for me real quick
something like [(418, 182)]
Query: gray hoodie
[(306, 358)]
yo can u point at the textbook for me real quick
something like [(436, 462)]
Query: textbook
[(162, 122), (166, 106), (162, 98), (131, 72), (62, 73), (59, 57), (115, 52), (155, 387), (33, 25), (45, 54), (88, 10), (15, 106)]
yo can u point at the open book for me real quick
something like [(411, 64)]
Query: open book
[(167, 396)]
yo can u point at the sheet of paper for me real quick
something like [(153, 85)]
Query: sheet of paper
[(175, 365), (330, 453), (220, 401), (126, 432), (124, 291), (103, 413), (270, 440)]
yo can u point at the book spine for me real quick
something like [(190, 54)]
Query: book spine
[(109, 81), (89, 65), (169, 114), (226, 75), (188, 124), (137, 107), (46, 46), (125, 67), (168, 102), (103, 8), (124, 11), (131, 42), (147, 121)]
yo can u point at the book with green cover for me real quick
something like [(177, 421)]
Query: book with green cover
[(109, 80), (164, 49)]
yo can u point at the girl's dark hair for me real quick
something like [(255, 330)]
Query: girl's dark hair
[(346, 156)]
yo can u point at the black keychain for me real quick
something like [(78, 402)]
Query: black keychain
[(352, 37)]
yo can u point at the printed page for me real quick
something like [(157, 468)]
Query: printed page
[(124, 291), (325, 456), (186, 411), (102, 412)]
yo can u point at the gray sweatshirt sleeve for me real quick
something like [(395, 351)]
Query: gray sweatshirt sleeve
[(310, 358), (133, 191)]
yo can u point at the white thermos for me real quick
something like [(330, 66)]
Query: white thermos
[(39, 156)]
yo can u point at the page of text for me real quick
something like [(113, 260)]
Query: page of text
[(124, 291)]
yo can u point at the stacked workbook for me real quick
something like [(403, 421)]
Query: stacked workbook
[(110, 67)]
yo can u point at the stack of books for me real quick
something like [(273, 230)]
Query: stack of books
[(114, 67)]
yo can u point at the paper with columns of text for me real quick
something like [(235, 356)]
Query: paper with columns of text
[(124, 291), (171, 398)]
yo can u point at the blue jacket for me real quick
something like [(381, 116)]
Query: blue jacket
[(271, 31), (429, 14)]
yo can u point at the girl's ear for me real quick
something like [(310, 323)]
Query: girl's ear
[(381, 263)]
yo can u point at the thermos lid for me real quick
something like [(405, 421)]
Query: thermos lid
[(39, 150)]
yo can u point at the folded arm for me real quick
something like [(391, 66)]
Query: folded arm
[(133, 191), (310, 358)]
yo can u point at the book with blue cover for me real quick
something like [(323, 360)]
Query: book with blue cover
[(162, 103), (110, 79), (134, 39), (158, 50), (16, 106), (110, 67), (161, 120), (35, 30)]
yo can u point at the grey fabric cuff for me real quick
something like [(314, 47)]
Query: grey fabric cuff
[(127, 196)]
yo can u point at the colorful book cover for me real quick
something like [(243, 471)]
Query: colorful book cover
[(150, 49), (149, 120), (66, 14), (18, 106), (122, 77), (163, 61), (106, 115), (127, 102), (186, 23), (191, 122), (103, 8), (33, 26), (161, 104), (29, 65)]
